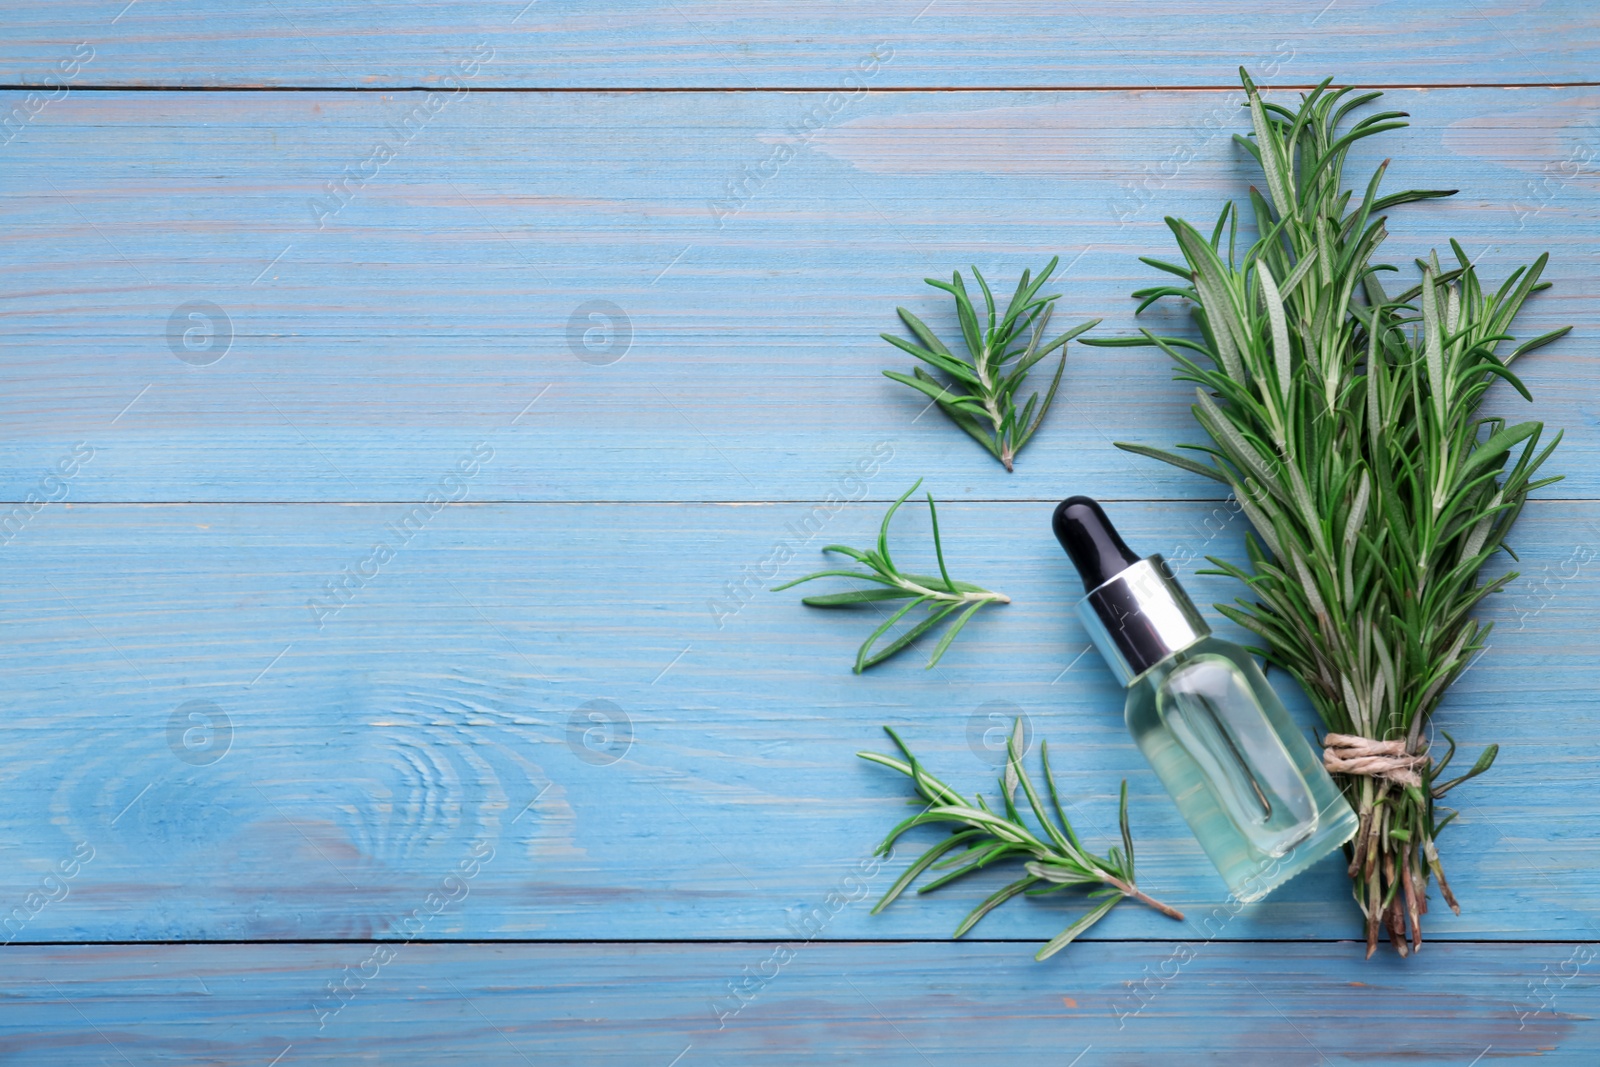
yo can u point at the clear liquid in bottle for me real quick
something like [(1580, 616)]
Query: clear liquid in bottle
[(1243, 775)]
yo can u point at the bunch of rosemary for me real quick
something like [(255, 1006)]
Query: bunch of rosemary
[(1346, 422)]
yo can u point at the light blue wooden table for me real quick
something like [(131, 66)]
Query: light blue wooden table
[(543, 785)]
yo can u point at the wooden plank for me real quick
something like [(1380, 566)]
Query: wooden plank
[(445, 302), (895, 1004), (239, 773), (719, 43)]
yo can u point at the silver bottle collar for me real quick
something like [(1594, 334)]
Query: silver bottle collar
[(1139, 617)]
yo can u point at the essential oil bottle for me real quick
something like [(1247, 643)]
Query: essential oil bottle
[(1244, 777)]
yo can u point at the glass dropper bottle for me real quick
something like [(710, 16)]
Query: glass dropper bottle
[(1244, 777)]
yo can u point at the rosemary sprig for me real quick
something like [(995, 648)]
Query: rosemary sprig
[(941, 596), (979, 392), (1055, 861), (1345, 421)]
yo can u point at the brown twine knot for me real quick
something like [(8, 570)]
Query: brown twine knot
[(1348, 754)]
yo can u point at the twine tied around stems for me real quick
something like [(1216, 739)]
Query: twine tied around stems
[(1348, 754)]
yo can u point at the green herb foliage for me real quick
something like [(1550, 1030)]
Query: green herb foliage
[(941, 597), (1346, 422), (979, 392), (1053, 857)]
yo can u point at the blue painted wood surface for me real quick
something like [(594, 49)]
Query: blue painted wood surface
[(875, 1002), (437, 305), (359, 760), (794, 43), (560, 729)]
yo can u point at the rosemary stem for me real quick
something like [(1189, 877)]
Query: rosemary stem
[(1136, 893), (996, 417), (955, 598)]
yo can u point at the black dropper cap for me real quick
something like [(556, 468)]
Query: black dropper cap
[(1097, 550)]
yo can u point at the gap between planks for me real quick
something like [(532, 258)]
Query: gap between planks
[(1386, 86), (658, 503), (489, 942)]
